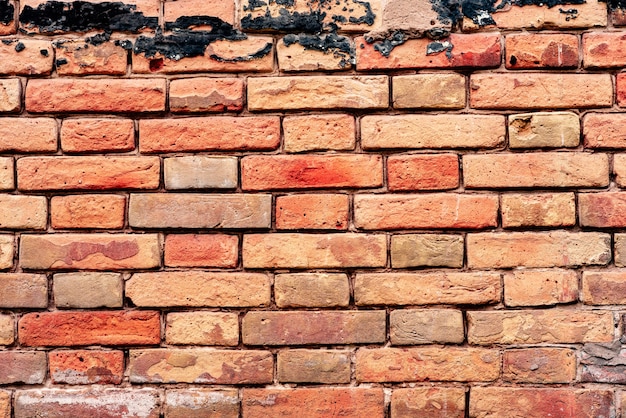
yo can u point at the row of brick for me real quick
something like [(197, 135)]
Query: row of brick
[(354, 402)]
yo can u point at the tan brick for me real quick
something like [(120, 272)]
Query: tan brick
[(88, 173), (95, 95), (322, 290), (434, 402), (97, 135), (319, 132), (334, 54), (537, 50), (313, 366), (540, 91), (200, 172), (202, 328), (426, 326), (77, 57), (421, 250), (7, 181), (23, 212), (604, 130), (195, 250), (314, 250), (20, 290), (209, 133), (199, 365), (548, 169), (26, 367), (203, 94), (540, 287), (5, 404), (97, 211), (619, 169), (432, 131), (541, 209), (444, 288), (26, 135), (196, 403), (90, 402), (447, 364), (58, 329), (602, 210), (199, 289), (537, 249), (603, 50), (85, 367), (312, 211), (7, 251), (556, 326), (423, 172), (304, 328), (492, 402), (88, 290), (10, 95), (224, 10), (430, 91), (604, 287), (318, 92), (90, 251), (620, 250), (321, 402), (7, 332), (425, 211), (544, 130), (539, 365), (199, 210), (461, 50)]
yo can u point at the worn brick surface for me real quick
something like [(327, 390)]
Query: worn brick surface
[(190, 95), (544, 130), (298, 290), (318, 211), (313, 366), (196, 403), (196, 250), (7, 333), (444, 402), (87, 290), (97, 135), (21, 290), (27, 367), (82, 367), (427, 250), (539, 365), (28, 135), (81, 58), (541, 51), (95, 211), (603, 287), (540, 287), (319, 132), (202, 328), (429, 91), (423, 172), (34, 58), (426, 326), (541, 209)]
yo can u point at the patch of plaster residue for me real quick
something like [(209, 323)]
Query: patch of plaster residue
[(196, 399)]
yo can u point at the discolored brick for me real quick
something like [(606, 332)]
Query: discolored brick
[(88, 290), (85, 367), (427, 250), (314, 366), (426, 326), (540, 287), (323, 290), (202, 328)]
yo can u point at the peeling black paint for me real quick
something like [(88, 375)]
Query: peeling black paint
[(388, 44), (126, 44), (98, 39), (44, 52), (81, 16), (61, 61), (256, 55), (339, 46), (8, 41), (286, 21), (437, 47), (20, 47), (7, 12), (571, 14), (367, 18), (615, 4)]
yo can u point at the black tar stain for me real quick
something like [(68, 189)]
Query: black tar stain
[(7, 12), (339, 46)]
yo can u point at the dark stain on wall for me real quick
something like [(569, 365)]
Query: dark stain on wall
[(7, 12), (331, 43)]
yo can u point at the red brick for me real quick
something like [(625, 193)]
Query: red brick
[(88, 173), (536, 50), (621, 89), (34, 59), (469, 50), (541, 209), (604, 287), (91, 402), (76, 57), (209, 133), (21, 290), (11, 93), (312, 211), (540, 287), (538, 249), (193, 250), (539, 365), (97, 135), (197, 403), (85, 367), (604, 49), (221, 9), (304, 328), (319, 132), (203, 94), (423, 172), (443, 364), (602, 210), (540, 91), (63, 95), (26, 135), (492, 402), (536, 170), (317, 402), (95, 211), (27, 367), (58, 329), (220, 367), (311, 172), (433, 402), (425, 211)]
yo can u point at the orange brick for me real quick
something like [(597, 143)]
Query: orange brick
[(25, 135), (540, 209), (85, 367), (97, 135), (425, 211), (203, 94), (202, 328), (95, 211), (311, 172), (23, 212), (539, 365), (604, 287), (319, 132), (604, 49), (7, 332), (538, 249), (429, 401), (536, 50), (602, 210), (21, 290), (460, 50), (604, 130), (88, 173), (619, 169), (82, 58), (58, 329), (193, 250), (210, 133), (33, 58), (91, 95), (11, 92), (5, 398), (432, 131), (536, 170), (317, 402), (621, 89), (27, 367), (312, 211), (224, 10), (540, 287), (540, 91), (423, 172)]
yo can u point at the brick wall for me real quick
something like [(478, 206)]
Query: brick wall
[(312, 208)]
